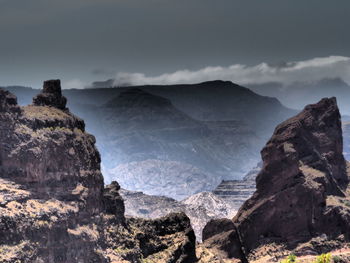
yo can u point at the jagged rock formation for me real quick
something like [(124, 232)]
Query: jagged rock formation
[(301, 201), (51, 95), (200, 208), (53, 205)]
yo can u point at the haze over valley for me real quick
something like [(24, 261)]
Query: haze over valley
[(162, 131)]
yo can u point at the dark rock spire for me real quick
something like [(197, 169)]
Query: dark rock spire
[(51, 95), (301, 189)]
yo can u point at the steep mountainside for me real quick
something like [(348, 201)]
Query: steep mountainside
[(205, 132), (53, 204), (301, 201), (153, 147), (157, 177)]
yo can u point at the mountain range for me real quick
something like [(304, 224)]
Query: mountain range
[(175, 140)]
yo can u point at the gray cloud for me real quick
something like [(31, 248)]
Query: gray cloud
[(307, 70), (68, 39)]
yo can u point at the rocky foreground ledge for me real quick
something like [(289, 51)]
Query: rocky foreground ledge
[(53, 204), (302, 201)]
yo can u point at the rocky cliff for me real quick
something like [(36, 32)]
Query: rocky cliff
[(301, 203), (53, 204)]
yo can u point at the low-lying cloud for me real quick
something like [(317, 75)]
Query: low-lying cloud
[(74, 84), (307, 70)]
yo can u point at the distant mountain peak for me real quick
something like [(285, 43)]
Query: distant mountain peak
[(218, 82), (138, 98)]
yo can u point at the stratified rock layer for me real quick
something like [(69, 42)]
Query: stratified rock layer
[(301, 189), (236, 192), (53, 205)]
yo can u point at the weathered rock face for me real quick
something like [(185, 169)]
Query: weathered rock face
[(113, 202), (51, 95), (51, 184), (301, 189), (166, 239), (53, 205)]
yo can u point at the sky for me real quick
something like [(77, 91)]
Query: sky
[(80, 41)]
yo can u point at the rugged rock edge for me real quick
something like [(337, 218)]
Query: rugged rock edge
[(302, 202), (53, 204)]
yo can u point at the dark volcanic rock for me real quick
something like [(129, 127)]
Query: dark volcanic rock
[(113, 202), (51, 95), (51, 185), (8, 101), (200, 208), (217, 226), (53, 205), (301, 189)]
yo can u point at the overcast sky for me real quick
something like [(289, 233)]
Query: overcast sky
[(87, 40)]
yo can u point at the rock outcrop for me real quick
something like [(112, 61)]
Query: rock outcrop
[(53, 204), (301, 201), (51, 95)]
